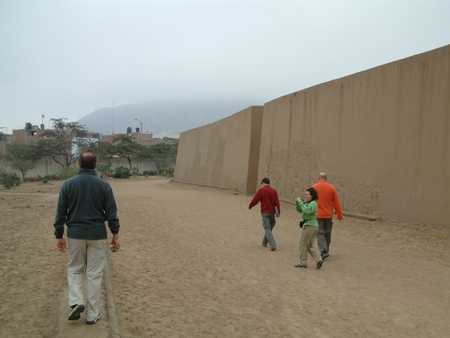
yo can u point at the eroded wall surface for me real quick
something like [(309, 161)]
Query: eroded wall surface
[(382, 136), (222, 154)]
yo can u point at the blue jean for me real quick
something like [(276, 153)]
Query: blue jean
[(268, 222)]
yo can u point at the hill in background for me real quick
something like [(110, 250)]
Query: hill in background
[(161, 118)]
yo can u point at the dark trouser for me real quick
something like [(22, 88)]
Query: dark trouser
[(268, 221), (324, 234)]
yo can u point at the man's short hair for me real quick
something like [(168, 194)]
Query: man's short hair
[(87, 159), (265, 180)]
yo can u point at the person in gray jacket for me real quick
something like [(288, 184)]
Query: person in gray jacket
[(85, 202)]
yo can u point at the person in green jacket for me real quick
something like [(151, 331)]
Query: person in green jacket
[(310, 227), (85, 202)]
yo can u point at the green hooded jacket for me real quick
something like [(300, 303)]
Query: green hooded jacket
[(309, 212)]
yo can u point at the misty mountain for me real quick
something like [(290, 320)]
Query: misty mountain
[(161, 118)]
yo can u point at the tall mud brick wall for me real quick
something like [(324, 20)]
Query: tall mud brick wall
[(223, 154), (382, 136)]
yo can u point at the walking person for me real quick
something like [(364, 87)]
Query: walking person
[(268, 197), (308, 208), (85, 202), (328, 200)]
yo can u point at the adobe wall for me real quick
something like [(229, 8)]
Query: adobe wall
[(223, 154), (382, 135)]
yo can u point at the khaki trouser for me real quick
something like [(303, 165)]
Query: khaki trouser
[(307, 242), (89, 256)]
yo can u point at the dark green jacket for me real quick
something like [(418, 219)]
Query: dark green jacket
[(85, 202)]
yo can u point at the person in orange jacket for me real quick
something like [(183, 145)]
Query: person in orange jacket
[(328, 199)]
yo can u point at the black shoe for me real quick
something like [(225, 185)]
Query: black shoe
[(76, 310), (95, 320), (319, 264), (325, 254), (300, 266)]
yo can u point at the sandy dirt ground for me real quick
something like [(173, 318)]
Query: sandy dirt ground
[(192, 265)]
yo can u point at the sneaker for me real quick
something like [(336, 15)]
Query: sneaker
[(300, 266), (76, 310), (319, 264), (94, 321), (325, 254), (273, 249)]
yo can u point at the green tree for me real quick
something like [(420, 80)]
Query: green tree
[(104, 151), (63, 142), (161, 153), (22, 157), (126, 147)]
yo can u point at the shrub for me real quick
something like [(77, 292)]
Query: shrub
[(46, 178), (135, 171), (121, 172), (104, 169), (150, 172), (64, 174), (9, 179), (167, 172)]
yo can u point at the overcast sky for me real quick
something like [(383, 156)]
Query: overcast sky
[(66, 58)]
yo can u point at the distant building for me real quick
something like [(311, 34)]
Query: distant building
[(4, 140), (31, 134), (27, 135), (145, 139), (141, 138)]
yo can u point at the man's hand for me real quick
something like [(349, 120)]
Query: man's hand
[(115, 242), (61, 244)]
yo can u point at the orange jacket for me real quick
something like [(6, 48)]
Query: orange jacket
[(328, 198)]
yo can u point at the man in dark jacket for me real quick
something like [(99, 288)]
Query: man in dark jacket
[(85, 202), (268, 197)]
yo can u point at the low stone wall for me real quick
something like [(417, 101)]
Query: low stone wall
[(47, 166)]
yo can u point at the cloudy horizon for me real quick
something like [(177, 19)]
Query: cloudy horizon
[(69, 58)]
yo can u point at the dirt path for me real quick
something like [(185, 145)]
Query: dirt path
[(192, 265)]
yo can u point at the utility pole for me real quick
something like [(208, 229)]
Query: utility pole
[(140, 131), (113, 120)]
